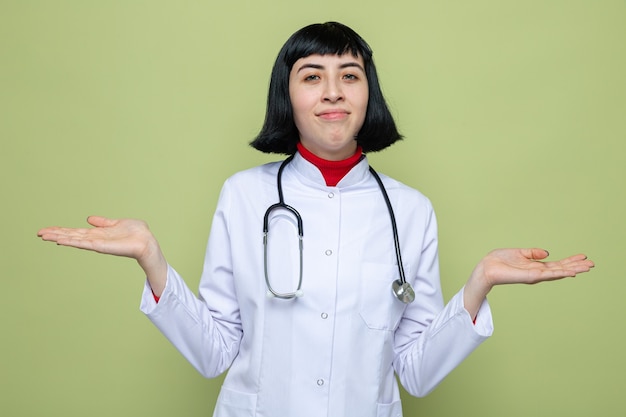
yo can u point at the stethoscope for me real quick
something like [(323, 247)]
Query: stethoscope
[(400, 288)]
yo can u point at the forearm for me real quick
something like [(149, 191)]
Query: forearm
[(154, 266), (476, 289)]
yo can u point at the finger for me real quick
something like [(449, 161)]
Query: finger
[(571, 261), (578, 257), (47, 233), (56, 234), (559, 274), (90, 239), (536, 276), (44, 231), (581, 266), (97, 221), (75, 242), (557, 271)]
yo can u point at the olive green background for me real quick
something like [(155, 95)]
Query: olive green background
[(514, 114)]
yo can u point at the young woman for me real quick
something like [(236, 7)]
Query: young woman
[(321, 278)]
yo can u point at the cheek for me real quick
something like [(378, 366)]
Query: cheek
[(365, 98), (360, 97), (297, 110), (300, 104), (363, 110), (364, 101)]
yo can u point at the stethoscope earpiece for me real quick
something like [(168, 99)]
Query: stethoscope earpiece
[(403, 291)]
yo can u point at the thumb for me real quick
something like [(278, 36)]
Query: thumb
[(535, 253), (99, 221)]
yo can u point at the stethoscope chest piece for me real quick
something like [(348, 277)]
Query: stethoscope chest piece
[(403, 291)]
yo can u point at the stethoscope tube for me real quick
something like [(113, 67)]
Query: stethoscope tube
[(400, 287), (281, 205)]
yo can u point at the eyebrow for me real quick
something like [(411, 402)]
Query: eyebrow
[(321, 67)]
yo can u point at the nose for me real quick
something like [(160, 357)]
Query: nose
[(332, 91)]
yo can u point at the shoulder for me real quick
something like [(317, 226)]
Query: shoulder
[(257, 175), (404, 195), (249, 185)]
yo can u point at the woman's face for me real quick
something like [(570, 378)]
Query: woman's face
[(329, 95)]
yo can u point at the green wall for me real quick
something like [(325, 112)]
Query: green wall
[(514, 114)]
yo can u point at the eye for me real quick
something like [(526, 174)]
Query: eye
[(312, 77), (350, 77)]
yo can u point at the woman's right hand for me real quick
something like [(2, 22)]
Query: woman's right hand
[(124, 237)]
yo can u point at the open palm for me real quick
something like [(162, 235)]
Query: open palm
[(526, 266), (126, 237)]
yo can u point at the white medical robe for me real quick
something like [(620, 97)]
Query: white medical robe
[(334, 351)]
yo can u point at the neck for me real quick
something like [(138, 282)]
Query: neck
[(332, 171)]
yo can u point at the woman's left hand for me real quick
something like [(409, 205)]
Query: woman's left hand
[(518, 266)]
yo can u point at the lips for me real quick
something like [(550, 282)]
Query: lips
[(333, 114)]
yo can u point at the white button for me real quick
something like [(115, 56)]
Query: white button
[(328, 252), (324, 316), (320, 382), (331, 195)]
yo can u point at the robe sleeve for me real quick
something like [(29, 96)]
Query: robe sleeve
[(432, 339), (206, 331)]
